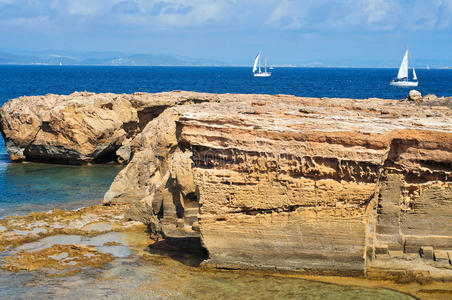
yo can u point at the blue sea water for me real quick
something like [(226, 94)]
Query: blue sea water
[(16, 81), (28, 187)]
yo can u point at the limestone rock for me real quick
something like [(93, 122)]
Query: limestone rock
[(414, 96), (430, 97), (318, 185), (82, 127), (334, 185)]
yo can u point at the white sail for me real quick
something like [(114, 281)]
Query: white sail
[(257, 72), (256, 60), (403, 70), (414, 74)]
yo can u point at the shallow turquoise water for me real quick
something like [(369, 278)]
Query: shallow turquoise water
[(28, 187), (162, 278)]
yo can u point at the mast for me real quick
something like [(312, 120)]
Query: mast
[(265, 65)]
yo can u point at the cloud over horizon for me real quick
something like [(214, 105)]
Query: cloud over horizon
[(104, 23), (380, 15)]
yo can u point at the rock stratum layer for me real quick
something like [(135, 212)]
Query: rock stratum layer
[(335, 186)]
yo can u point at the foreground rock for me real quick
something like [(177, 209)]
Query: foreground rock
[(62, 242), (81, 127), (335, 186)]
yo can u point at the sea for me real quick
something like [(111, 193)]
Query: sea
[(28, 187)]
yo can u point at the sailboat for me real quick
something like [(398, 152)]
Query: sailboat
[(257, 72), (402, 77)]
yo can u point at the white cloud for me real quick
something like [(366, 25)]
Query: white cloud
[(378, 10), (178, 13), (84, 7), (287, 15), (445, 7), (294, 15)]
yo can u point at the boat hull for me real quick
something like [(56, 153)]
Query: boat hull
[(404, 83), (264, 74)]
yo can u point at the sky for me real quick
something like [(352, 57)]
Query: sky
[(303, 32)]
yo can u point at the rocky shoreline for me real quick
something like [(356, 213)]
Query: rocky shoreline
[(63, 242), (319, 186)]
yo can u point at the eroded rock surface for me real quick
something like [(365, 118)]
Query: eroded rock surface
[(64, 242), (81, 127), (305, 184), (317, 185)]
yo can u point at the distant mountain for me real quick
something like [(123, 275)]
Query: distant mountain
[(150, 60), (114, 58), (102, 59)]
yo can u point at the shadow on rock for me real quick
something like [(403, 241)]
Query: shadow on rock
[(188, 251)]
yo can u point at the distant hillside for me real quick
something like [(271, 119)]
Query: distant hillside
[(114, 58), (103, 59)]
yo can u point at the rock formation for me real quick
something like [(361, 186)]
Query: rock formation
[(81, 127), (319, 185), (414, 96), (304, 184)]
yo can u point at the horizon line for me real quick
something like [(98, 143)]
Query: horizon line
[(226, 66)]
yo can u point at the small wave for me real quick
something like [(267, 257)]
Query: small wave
[(77, 209)]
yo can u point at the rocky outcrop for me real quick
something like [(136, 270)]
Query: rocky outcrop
[(303, 184), (82, 127), (317, 185), (414, 96)]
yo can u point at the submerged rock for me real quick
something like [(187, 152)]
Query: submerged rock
[(61, 243), (61, 260)]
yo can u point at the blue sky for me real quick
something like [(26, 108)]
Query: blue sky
[(332, 32)]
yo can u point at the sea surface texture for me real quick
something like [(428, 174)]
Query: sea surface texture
[(31, 187)]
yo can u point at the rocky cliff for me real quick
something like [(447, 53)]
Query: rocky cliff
[(81, 127), (321, 185), (305, 184)]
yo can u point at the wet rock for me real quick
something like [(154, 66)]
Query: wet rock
[(87, 221), (57, 260), (69, 241)]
